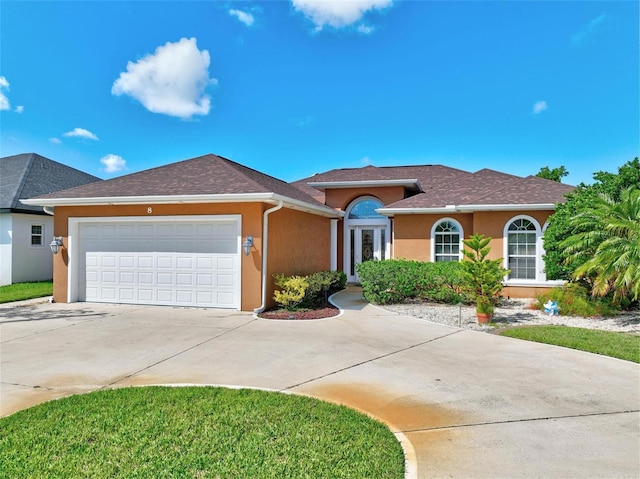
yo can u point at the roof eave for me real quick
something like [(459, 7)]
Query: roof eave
[(506, 207), (466, 209), (308, 207), (184, 199)]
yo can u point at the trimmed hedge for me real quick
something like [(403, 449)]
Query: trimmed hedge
[(391, 281)]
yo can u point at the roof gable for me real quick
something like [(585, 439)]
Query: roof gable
[(28, 175)]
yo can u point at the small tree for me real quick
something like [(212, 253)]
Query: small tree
[(555, 174), (481, 277)]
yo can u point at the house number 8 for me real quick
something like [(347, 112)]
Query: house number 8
[(149, 210)]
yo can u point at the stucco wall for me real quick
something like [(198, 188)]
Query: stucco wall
[(412, 234), (340, 198), (251, 225), (299, 244)]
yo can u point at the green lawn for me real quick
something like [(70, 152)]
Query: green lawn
[(617, 345), (20, 291), (196, 432)]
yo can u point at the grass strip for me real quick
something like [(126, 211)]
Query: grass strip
[(195, 432), (21, 291), (617, 345)]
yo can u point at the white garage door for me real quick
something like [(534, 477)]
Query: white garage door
[(176, 262)]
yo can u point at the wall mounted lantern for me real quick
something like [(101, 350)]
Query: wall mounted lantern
[(56, 244), (247, 245)]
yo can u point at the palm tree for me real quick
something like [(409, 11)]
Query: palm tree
[(610, 234)]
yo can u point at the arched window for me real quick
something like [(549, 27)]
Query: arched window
[(522, 249), (365, 209), (446, 240)]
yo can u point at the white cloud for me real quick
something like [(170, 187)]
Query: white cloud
[(172, 81), (244, 17), (366, 161), (55, 141), (365, 29), (539, 107), (19, 109), (587, 30), (4, 101), (81, 133), (338, 14), (113, 163), (306, 121)]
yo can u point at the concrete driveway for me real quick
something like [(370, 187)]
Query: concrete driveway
[(471, 404)]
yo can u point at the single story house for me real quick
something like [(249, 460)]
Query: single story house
[(26, 230), (211, 232)]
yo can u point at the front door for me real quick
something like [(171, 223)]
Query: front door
[(366, 243)]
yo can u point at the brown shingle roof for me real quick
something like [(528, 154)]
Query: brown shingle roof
[(205, 175), (426, 174), (488, 187), (442, 186)]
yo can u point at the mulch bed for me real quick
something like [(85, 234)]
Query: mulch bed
[(306, 314)]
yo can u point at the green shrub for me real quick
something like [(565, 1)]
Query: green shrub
[(322, 285), (293, 290), (441, 282), (306, 292), (391, 281), (574, 300)]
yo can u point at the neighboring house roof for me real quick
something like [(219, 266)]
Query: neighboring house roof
[(28, 175), (208, 178), (446, 189)]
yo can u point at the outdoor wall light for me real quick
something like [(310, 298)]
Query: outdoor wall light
[(247, 245), (56, 244)]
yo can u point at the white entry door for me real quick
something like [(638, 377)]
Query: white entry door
[(366, 243), (177, 262)]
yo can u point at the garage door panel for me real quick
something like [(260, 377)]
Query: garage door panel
[(145, 295), (127, 294), (203, 279), (225, 299), (146, 278), (126, 261), (126, 277), (195, 263)]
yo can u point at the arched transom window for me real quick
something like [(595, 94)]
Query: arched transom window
[(447, 237), (522, 249), (365, 209)]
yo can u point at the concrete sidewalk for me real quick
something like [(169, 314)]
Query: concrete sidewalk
[(471, 404)]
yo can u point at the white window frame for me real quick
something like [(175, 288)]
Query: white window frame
[(540, 277), (32, 235), (433, 237)]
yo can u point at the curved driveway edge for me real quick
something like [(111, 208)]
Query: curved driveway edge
[(472, 404)]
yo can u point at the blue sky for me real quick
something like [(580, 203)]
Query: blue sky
[(295, 87)]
